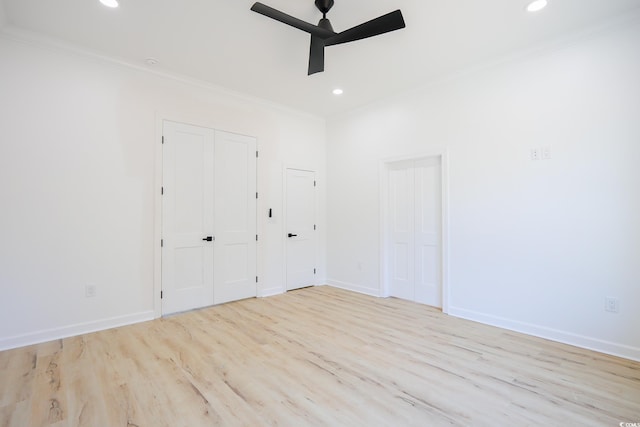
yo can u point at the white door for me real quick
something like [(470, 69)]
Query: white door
[(401, 218), (235, 217), (208, 217), (187, 217), (427, 233), (414, 212), (300, 228)]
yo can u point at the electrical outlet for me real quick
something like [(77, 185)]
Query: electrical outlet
[(535, 154), (611, 304), (90, 291), (546, 153)]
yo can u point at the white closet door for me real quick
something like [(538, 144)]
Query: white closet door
[(235, 217), (428, 212), (208, 217), (414, 215), (401, 218), (187, 213)]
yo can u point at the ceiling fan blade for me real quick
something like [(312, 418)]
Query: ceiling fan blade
[(316, 55), (390, 22), (272, 13)]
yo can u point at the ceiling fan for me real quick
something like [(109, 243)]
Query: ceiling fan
[(322, 35)]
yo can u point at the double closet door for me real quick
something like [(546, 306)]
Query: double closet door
[(415, 230), (208, 217)]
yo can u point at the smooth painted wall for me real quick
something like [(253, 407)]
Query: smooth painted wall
[(3, 16), (80, 190), (534, 246)]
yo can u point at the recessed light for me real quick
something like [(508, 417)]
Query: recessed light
[(536, 5), (110, 3), (338, 91), (151, 61)]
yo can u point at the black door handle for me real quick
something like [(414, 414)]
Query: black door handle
[(208, 238), (292, 235)]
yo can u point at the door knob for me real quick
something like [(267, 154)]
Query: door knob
[(208, 238), (292, 235)]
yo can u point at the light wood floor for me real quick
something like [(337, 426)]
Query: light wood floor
[(317, 356)]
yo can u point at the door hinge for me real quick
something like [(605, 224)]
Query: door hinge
[(256, 154), (163, 139), (162, 191), (314, 183), (256, 279), (314, 271), (161, 243), (256, 194), (160, 294), (314, 227), (256, 237)]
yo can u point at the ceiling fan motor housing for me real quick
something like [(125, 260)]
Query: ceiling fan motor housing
[(326, 24)]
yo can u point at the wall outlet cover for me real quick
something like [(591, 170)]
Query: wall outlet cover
[(535, 154), (612, 305), (90, 291)]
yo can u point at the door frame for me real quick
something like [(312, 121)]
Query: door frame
[(200, 120), (285, 168), (384, 220)]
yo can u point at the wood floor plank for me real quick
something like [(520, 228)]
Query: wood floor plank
[(48, 400), (17, 376), (17, 414), (314, 357)]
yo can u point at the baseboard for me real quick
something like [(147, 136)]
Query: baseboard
[(73, 330), (564, 337), (264, 293), (354, 288)]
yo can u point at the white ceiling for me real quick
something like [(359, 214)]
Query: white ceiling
[(222, 42)]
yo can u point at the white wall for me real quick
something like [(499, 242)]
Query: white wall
[(3, 16), (79, 195), (535, 246)]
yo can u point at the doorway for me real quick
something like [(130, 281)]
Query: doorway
[(208, 217), (413, 255)]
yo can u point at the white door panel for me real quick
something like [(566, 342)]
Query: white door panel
[(428, 189), (401, 185), (300, 228), (187, 211), (235, 217)]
